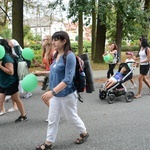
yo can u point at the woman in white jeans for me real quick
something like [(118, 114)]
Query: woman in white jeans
[(62, 92)]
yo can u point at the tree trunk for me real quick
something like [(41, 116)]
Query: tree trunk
[(119, 30), (93, 43), (80, 33), (17, 21), (100, 42), (147, 9)]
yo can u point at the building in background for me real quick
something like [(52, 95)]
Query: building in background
[(48, 25)]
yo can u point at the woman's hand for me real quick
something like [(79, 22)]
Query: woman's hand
[(35, 63), (47, 96)]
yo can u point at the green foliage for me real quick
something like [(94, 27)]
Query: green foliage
[(26, 30), (74, 46), (132, 16), (35, 46), (37, 56), (124, 42), (5, 32), (77, 6), (86, 46), (130, 48), (31, 39)]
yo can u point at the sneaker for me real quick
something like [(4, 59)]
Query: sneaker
[(21, 118), (134, 86), (7, 98), (2, 113), (46, 120), (27, 95)]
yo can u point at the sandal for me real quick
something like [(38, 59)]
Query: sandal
[(137, 96), (44, 147), (81, 139), (11, 109)]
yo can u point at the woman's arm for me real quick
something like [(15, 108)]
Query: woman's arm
[(105, 53), (41, 73), (113, 52), (8, 68), (37, 64)]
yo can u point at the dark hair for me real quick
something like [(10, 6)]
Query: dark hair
[(115, 46), (142, 37), (144, 43), (6, 46), (62, 35)]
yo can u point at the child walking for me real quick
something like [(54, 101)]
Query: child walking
[(130, 61)]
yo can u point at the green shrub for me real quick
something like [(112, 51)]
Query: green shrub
[(124, 43), (5, 32), (130, 48), (74, 46), (86, 46), (37, 56), (35, 46)]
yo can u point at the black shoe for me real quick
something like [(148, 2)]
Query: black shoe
[(45, 83), (21, 118)]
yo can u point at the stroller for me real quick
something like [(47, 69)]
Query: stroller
[(118, 88)]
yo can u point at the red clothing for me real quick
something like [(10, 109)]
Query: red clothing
[(47, 65)]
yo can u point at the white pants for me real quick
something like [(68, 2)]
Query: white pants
[(69, 106)]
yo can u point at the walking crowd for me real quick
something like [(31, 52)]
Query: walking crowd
[(61, 95)]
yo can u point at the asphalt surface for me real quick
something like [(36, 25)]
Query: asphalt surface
[(117, 126)]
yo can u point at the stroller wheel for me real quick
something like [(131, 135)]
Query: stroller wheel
[(111, 98), (102, 95), (129, 96)]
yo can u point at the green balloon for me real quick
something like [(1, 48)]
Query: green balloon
[(2, 51), (28, 54), (29, 82), (108, 58)]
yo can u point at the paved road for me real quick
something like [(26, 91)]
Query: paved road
[(118, 126)]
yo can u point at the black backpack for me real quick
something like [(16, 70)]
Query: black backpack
[(80, 77), (83, 79)]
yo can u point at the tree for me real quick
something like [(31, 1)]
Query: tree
[(17, 21), (146, 26), (4, 8), (78, 9), (100, 34), (93, 43)]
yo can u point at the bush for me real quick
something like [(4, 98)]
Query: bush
[(86, 46), (74, 46), (5, 32), (35, 46), (37, 56), (130, 48)]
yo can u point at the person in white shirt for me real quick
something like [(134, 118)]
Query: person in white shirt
[(113, 51), (144, 59), (130, 61)]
